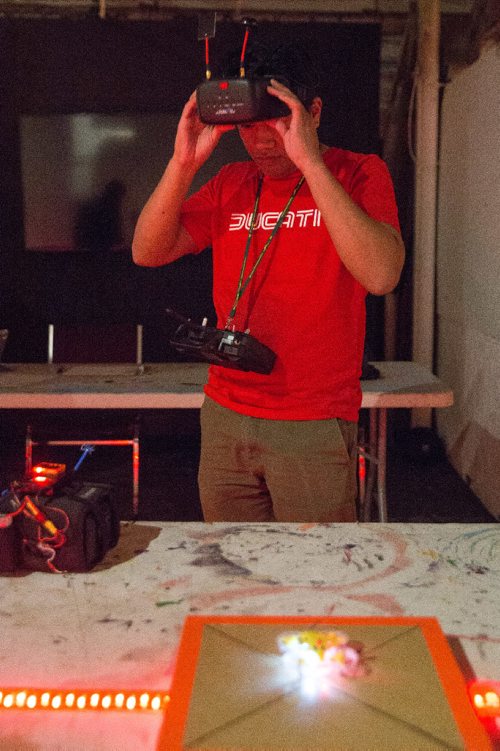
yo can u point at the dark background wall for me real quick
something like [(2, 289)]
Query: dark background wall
[(140, 67)]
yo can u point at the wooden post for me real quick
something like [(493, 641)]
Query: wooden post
[(426, 147)]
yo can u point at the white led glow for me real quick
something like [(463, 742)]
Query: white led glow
[(156, 703), (21, 699), (492, 699), (316, 659), (131, 702)]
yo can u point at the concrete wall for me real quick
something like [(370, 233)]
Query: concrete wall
[(468, 274)]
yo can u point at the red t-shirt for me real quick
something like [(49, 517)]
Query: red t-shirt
[(302, 301)]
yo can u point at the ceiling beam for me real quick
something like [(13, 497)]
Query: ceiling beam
[(283, 9)]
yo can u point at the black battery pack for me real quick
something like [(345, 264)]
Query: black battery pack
[(89, 518), (9, 545)]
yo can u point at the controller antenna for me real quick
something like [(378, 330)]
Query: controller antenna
[(247, 23)]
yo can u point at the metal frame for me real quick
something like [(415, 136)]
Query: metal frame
[(373, 452), (132, 442), (159, 386)]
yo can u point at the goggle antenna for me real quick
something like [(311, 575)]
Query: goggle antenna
[(206, 31), (247, 23)]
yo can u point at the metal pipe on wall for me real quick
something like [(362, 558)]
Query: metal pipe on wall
[(426, 169)]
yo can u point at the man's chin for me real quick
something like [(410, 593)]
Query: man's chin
[(275, 167)]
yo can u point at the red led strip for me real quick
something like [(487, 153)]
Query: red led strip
[(74, 700)]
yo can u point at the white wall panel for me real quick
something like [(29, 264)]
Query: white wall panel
[(468, 273)]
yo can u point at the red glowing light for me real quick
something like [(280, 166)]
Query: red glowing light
[(485, 697), (41, 479), (145, 701), (223, 85)]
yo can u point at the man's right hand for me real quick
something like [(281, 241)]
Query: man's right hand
[(195, 141), (159, 236)]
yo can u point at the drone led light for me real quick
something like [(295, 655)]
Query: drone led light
[(320, 651)]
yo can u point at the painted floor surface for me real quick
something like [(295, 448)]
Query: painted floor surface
[(119, 625)]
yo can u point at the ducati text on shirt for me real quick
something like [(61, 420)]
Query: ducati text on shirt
[(267, 220)]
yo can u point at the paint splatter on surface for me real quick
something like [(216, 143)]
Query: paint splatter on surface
[(125, 618)]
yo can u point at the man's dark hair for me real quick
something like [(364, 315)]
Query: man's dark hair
[(289, 63)]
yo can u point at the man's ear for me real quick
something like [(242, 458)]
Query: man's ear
[(315, 109)]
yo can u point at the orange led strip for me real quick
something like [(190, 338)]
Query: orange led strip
[(128, 701)]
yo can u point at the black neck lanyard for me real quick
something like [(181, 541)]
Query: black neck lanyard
[(242, 285)]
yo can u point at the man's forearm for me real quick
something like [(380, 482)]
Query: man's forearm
[(372, 251), (158, 238)]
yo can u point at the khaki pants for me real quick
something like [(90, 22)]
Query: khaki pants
[(258, 470)]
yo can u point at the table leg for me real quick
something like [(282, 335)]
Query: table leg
[(371, 455), (28, 452), (135, 473), (382, 465), (361, 472)]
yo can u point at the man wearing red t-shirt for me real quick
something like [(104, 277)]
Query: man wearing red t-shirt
[(281, 446)]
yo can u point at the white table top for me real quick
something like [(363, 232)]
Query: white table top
[(180, 385), (119, 625)]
